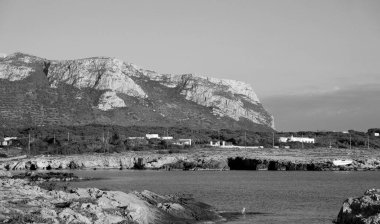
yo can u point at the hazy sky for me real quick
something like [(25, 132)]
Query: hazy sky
[(314, 64)]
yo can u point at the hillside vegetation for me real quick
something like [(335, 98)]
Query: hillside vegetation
[(108, 139)]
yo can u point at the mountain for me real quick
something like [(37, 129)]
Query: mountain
[(35, 91)]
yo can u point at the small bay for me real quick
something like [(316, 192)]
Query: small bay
[(268, 197)]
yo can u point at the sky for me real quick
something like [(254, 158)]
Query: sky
[(315, 65)]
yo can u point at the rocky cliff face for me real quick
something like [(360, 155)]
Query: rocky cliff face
[(109, 90)]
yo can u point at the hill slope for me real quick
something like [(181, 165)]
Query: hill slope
[(36, 91)]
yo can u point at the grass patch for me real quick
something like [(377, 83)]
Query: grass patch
[(20, 218)]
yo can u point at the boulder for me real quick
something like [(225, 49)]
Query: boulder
[(361, 210), (73, 165), (214, 164), (48, 213), (70, 216), (5, 174)]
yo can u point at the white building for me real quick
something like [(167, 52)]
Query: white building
[(133, 138), (184, 141), (7, 141), (151, 136), (283, 139), (167, 138), (377, 134), (217, 143), (296, 139)]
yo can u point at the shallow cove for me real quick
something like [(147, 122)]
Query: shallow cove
[(269, 197)]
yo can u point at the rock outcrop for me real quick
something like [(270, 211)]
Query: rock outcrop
[(105, 90), (109, 100), (361, 210), (23, 202), (97, 73), (16, 67)]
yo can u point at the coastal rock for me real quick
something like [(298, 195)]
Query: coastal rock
[(205, 158), (90, 205), (49, 214), (213, 164), (161, 162), (70, 216), (101, 218), (361, 210)]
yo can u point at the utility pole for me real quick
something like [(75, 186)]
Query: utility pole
[(368, 142), (29, 144), (105, 144), (350, 140), (245, 139), (273, 139), (108, 139), (68, 136), (54, 139), (330, 143)]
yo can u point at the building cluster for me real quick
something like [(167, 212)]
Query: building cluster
[(224, 144), (170, 138), (7, 141), (296, 139)]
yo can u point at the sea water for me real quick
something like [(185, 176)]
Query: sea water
[(267, 196)]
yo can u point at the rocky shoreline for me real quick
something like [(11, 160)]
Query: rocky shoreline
[(201, 160), (23, 201), (32, 197)]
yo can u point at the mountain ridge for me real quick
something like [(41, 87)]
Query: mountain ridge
[(116, 91)]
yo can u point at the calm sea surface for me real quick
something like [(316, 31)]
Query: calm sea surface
[(269, 197)]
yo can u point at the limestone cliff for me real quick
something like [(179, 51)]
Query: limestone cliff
[(116, 92)]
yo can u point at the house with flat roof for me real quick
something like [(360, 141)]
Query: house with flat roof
[(296, 139), (7, 141), (152, 136), (184, 141)]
